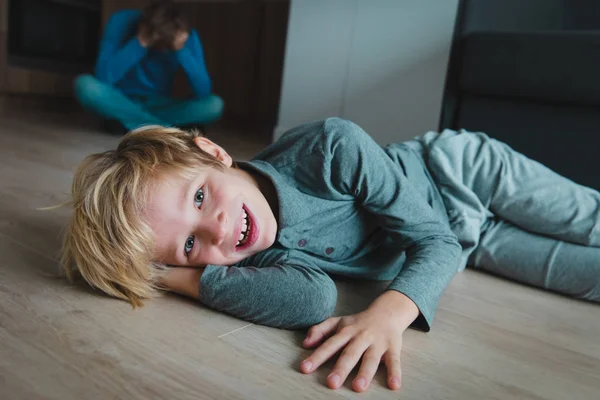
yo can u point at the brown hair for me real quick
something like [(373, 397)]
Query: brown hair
[(107, 241), (161, 21)]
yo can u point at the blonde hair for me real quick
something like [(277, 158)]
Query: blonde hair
[(107, 241)]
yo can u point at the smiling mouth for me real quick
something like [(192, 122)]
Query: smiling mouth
[(246, 229)]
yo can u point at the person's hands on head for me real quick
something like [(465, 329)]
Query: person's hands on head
[(181, 38), (373, 335), (163, 26), (146, 36)]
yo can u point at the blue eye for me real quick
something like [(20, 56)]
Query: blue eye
[(199, 198), (189, 245)]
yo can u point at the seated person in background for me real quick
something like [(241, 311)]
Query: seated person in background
[(140, 54)]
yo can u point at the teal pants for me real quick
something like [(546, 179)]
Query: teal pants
[(135, 111), (515, 217)]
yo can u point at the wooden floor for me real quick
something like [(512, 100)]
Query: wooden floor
[(492, 339)]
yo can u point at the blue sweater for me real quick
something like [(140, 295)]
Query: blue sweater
[(125, 64)]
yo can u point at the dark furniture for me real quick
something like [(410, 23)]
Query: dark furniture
[(538, 91)]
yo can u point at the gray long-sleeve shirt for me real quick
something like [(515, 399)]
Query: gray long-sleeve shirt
[(346, 207)]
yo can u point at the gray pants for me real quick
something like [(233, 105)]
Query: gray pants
[(515, 217)]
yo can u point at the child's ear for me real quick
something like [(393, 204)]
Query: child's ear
[(213, 149)]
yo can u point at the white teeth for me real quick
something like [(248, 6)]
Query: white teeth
[(245, 228)]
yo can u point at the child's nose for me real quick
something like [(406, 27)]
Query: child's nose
[(217, 229)]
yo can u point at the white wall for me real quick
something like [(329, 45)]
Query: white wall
[(380, 63), (316, 59)]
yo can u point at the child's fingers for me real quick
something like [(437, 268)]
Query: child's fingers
[(347, 361), (317, 333), (325, 351), (392, 362), (368, 368)]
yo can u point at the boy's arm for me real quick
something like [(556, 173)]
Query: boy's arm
[(360, 168), (117, 56), (191, 58), (183, 280), (283, 294)]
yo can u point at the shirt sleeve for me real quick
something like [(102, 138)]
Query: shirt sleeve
[(271, 288), (359, 167), (119, 53), (191, 58)]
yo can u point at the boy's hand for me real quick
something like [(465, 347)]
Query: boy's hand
[(180, 39), (374, 334), (183, 280)]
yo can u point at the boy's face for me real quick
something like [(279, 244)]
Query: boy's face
[(219, 217)]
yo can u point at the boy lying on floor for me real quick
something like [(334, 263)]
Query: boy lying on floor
[(169, 209)]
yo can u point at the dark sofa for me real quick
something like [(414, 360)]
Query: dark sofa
[(537, 91)]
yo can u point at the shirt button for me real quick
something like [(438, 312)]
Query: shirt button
[(329, 250), (301, 242)]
